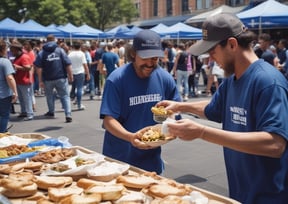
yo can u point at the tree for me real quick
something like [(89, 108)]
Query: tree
[(96, 13), (114, 11)]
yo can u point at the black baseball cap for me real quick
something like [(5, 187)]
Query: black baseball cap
[(147, 44), (216, 29)]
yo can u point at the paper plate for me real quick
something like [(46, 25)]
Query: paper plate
[(159, 142)]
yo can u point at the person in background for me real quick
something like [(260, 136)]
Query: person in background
[(8, 89), (267, 54), (79, 70), (53, 67), (180, 71), (129, 93), (121, 52), (252, 105), (24, 80), (282, 53), (86, 49), (28, 47), (93, 69), (171, 54), (99, 77), (110, 60), (36, 49)]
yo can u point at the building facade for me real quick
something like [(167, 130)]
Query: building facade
[(169, 12)]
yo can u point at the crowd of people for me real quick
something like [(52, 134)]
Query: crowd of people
[(93, 61), (250, 96)]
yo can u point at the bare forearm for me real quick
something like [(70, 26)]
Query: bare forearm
[(116, 129), (258, 143), (196, 108), (12, 84)]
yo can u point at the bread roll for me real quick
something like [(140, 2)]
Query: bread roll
[(82, 199), (18, 185), (57, 194), (44, 182), (19, 189), (136, 181), (87, 183), (163, 190), (108, 192)]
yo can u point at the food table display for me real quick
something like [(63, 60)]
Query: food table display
[(35, 168)]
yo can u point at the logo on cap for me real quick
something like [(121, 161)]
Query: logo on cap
[(205, 34)]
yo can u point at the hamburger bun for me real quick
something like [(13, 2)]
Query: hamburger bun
[(44, 182), (162, 190), (133, 197), (5, 168), (87, 183), (108, 192), (57, 194), (170, 200), (18, 185), (82, 199), (33, 166), (16, 188), (136, 181)]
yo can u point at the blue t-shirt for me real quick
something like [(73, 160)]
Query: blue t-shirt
[(6, 69), (129, 99), (255, 102), (110, 60)]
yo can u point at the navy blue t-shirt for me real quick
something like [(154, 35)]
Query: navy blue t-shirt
[(129, 99), (257, 101)]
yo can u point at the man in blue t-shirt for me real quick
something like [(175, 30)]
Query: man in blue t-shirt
[(252, 105), (129, 93), (110, 60)]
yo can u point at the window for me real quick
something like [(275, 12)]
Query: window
[(169, 7), (235, 2), (155, 7), (185, 6), (203, 4)]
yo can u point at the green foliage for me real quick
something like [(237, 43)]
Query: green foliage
[(96, 13)]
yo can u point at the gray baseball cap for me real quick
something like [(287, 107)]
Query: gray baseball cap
[(147, 44), (216, 29)]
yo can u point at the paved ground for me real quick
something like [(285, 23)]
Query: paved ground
[(197, 162)]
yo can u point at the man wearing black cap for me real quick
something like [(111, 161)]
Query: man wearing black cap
[(129, 93), (252, 105)]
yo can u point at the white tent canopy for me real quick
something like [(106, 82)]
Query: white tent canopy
[(221, 9)]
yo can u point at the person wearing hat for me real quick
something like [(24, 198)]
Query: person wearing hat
[(252, 105), (24, 79), (129, 93)]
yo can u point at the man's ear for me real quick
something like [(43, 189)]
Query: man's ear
[(232, 43)]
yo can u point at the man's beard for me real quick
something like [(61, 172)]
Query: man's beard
[(229, 69)]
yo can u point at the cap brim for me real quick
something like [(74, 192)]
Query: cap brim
[(150, 53), (202, 46)]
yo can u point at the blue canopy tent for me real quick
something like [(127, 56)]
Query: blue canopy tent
[(269, 14), (29, 29), (33, 29), (71, 31), (128, 34), (182, 31), (93, 31), (117, 30), (160, 28), (7, 26)]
